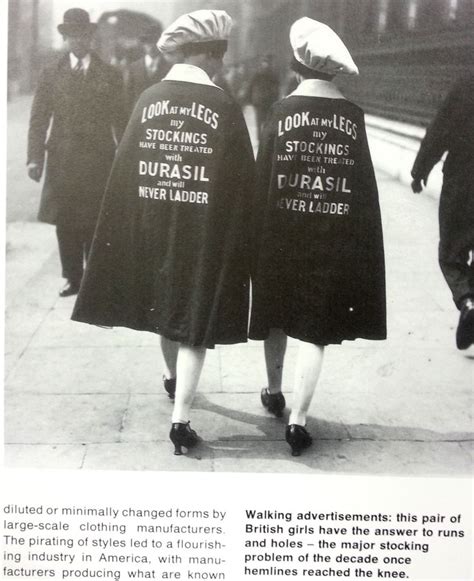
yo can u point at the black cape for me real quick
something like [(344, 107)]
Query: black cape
[(319, 268), (171, 249)]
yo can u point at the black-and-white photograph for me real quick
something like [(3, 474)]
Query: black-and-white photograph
[(240, 235)]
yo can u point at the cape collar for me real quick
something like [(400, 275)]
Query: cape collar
[(189, 74), (317, 88)]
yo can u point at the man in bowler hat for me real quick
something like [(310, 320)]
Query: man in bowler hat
[(148, 70), (77, 118)]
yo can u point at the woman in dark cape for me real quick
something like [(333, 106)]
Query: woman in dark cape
[(318, 274), (171, 249)]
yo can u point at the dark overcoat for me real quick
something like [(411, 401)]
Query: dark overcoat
[(138, 79), (319, 269), (264, 89), (171, 250), (452, 131), (76, 120)]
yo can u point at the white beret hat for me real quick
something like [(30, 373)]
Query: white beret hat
[(319, 48), (198, 26)]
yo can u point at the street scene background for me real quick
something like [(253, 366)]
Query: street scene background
[(81, 397)]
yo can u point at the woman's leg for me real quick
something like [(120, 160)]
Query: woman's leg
[(308, 369), (271, 397), (275, 348), (189, 367), (170, 356)]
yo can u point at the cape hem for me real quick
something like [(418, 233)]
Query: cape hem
[(172, 336), (262, 335)]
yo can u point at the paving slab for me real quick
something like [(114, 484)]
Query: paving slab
[(63, 419), (45, 456), (40, 289), (415, 328), (348, 457), (351, 368), (144, 456), (243, 367), (122, 369), (468, 447), (241, 417), (59, 331)]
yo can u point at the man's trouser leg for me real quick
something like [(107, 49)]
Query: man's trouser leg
[(74, 245), (458, 270)]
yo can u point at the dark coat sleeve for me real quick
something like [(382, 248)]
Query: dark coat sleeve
[(438, 135), (40, 118)]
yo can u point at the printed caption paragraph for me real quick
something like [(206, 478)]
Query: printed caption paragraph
[(71, 542), (117, 542), (345, 545)]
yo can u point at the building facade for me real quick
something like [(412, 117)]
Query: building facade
[(409, 52)]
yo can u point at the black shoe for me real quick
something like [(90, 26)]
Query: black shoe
[(70, 288), (170, 386), (182, 435), (274, 402), (298, 438), (465, 330)]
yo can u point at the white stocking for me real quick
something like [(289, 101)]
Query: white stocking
[(170, 355), (189, 366), (308, 369), (275, 348)]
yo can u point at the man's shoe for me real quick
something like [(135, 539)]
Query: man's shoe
[(69, 289), (465, 330)]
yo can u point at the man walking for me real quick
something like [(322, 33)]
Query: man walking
[(146, 71), (77, 118), (452, 131)]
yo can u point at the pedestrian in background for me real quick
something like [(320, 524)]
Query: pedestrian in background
[(77, 119), (319, 272), (146, 71), (452, 131), (241, 84), (171, 251), (264, 90)]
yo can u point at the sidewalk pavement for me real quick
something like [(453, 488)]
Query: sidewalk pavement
[(81, 397)]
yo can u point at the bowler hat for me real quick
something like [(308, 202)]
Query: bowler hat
[(76, 20)]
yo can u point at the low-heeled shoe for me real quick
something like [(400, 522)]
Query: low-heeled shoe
[(298, 438), (273, 402), (170, 386), (182, 435)]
